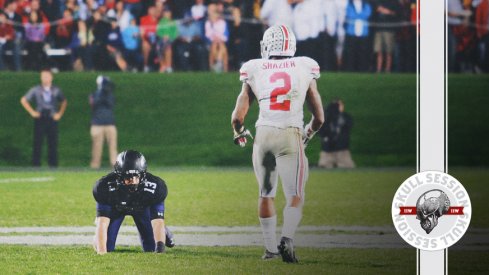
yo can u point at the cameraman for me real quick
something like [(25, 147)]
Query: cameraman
[(335, 137), (102, 102)]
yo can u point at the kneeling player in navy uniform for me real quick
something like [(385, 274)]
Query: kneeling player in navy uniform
[(130, 190)]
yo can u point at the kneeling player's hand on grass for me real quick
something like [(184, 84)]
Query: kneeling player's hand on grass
[(240, 136)]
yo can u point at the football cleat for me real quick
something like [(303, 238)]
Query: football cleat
[(169, 239), (286, 249), (270, 255)]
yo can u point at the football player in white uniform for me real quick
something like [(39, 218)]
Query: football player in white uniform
[(281, 84)]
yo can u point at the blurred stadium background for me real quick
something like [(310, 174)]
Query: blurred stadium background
[(219, 35)]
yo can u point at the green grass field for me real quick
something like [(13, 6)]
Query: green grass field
[(222, 196), (225, 197)]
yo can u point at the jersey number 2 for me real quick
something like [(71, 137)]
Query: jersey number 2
[(284, 105)]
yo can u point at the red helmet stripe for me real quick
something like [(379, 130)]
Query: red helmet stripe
[(286, 37)]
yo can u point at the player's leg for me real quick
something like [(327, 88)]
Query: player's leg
[(112, 143), (326, 160), (293, 169), (378, 50), (146, 49), (52, 136), (96, 132), (37, 142), (266, 174), (157, 212), (143, 223), (345, 160), (113, 231)]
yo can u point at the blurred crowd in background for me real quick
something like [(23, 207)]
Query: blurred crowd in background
[(220, 35)]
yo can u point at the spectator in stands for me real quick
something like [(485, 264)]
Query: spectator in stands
[(198, 10), (160, 7), (65, 39), (7, 36), (340, 40), (86, 49), (148, 35), (190, 48), (131, 37), (100, 29), (35, 6), (109, 4), (308, 22), (407, 38), (64, 30), (277, 12), (103, 127), (239, 40), (115, 46), (167, 32), (85, 9), (482, 28), (357, 48), (72, 5), (335, 137), (16, 19), (134, 6), (328, 36), (457, 18), (51, 9), (50, 107), (217, 33), (123, 16), (35, 35), (386, 14)]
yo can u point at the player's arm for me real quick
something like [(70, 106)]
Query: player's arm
[(27, 106), (159, 234), (61, 111), (102, 221), (157, 214), (101, 234), (313, 99), (240, 111)]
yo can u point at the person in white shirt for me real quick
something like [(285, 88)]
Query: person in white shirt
[(308, 22), (281, 84), (277, 12)]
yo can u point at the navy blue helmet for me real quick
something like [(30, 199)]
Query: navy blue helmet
[(129, 164)]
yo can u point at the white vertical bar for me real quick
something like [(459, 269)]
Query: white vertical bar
[(431, 103)]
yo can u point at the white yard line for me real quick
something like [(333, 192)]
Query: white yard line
[(197, 229), (307, 236), (38, 179)]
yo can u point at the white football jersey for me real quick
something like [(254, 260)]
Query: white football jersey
[(280, 86)]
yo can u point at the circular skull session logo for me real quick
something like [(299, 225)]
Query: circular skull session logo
[(431, 210)]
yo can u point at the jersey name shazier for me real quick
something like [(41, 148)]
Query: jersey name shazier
[(280, 86)]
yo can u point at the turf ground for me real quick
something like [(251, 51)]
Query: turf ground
[(224, 197)]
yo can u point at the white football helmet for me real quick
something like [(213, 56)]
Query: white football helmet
[(278, 40)]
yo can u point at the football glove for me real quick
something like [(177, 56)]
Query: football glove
[(240, 136), (308, 134)]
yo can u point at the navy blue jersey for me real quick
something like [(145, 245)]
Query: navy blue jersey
[(112, 196)]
